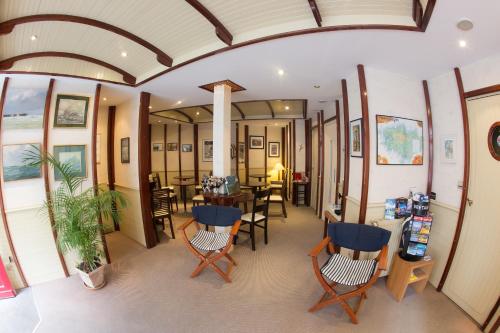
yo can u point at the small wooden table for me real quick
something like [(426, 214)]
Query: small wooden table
[(256, 186), (401, 272), (184, 177), (228, 199), (182, 185), (259, 176)]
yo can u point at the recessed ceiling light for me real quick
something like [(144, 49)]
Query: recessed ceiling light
[(33, 37), (176, 121), (159, 121), (150, 107), (179, 102), (124, 54), (104, 99), (287, 107), (465, 24), (316, 86), (275, 124), (462, 43), (281, 72), (197, 113)]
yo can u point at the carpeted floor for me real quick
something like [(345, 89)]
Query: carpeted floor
[(272, 288)]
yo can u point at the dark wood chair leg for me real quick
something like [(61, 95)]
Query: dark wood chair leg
[(265, 231), (206, 227), (284, 208), (171, 226), (252, 235), (176, 205)]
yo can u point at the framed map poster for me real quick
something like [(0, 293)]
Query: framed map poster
[(400, 141)]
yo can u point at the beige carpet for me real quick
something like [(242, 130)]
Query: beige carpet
[(151, 291)]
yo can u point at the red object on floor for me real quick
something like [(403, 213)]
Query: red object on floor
[(6, 290)]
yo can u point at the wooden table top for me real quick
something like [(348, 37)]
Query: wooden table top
[(182, 182), (259, 175), (255, 184), (227, 199), (183, 177)]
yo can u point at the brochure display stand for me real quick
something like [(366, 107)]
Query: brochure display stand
[(6, 290)]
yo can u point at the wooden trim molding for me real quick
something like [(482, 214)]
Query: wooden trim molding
[(366, 144), (239, 110), (179, 128), (427, 15), (483, 91), (430, 136), (418, 12), (220, 30), (2, 205), (111, 153), (211, 86), (294, 145), (8, 63), (322, 165), (93, 151), (283, 148), (347, 148), (170, 118), (304, 111), (144, 151), (165, 160), (237, 151), (490, 317), (195, 154), (6, 27), (315, 11), (207, 109), (270, 108), (265, 154), (465, 188), (308, 137), (182, 113), (45, 171), (337, 171), (318, 165), (247, 165)]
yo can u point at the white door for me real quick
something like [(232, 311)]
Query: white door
[(314, 165), (474, 279), (330, 165)]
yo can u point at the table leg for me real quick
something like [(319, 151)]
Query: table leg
[(183, 192)]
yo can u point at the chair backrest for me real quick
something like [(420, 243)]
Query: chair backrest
[(359, 237), (284, 187), (154, 180), (220, 216), (160, 201), (261, 202)]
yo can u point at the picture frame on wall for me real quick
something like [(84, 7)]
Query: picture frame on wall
[(172, 146), (256, 142), (125, 150), (448, 149), (71, 111), (241, 152), (14, 166), (400, 141), (24, 108), (157, 146), (186, 147), (76, 155), (273, 149), (356, 137), (208, 151)]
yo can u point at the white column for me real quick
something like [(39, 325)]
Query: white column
[(222, 131)]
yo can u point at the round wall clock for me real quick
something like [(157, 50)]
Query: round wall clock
[(494, 140)]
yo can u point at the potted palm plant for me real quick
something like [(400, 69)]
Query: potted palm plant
[(76, 212)]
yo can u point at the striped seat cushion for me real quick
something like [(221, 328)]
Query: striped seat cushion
[(209, 241), (275, 198), (199, 197), (348, 272)]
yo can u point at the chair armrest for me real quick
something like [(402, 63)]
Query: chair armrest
[(382, 258), (236, 227), (317, 250), (186, 224)]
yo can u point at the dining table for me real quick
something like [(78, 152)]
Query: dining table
[(256, 186), (184, 177), (183, 184), (259, 176)]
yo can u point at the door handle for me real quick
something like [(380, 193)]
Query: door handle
[(470, 202)]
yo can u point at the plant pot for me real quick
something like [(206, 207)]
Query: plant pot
[(95, 279)]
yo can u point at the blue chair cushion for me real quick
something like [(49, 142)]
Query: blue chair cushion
[(219, 216), (358, 237)]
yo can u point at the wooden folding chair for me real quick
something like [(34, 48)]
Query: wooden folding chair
[(342, 270), (210, 246)]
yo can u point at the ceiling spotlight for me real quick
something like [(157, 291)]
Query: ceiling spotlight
[(316, 86), (275, 124), (287, 107), (150, 107), (124, 54), (179, 102), (465, 24), (462, 43), (33, 37), (104, 99), (281, 72), (197, 113), (159, 121)]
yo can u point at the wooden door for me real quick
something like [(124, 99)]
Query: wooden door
[(474, 279)]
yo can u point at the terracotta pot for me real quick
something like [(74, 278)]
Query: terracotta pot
[(94, 279)]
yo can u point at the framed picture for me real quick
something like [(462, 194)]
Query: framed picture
[(494, 140), (256, 142), (125, 150), (73, 154), (71, 111), (208, 151), (186, 147), (98, 148), (14, 167), (24, 108), (356, 137), (157, 147), (448, 149), (400, 141), (172, 146), (241, 152), (273, 149)]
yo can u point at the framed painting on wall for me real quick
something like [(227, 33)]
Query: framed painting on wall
[(448, 149), (208, 151), (356, 137), (24, 108), (186, 147), (75, 155), (273, 149), (125, 150), (400, 141), (14, 166), (241, 152), (172, 146), (256, 142), (157, 147), (71, 111)]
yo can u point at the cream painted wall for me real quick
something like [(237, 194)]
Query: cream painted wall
[(300, 139)]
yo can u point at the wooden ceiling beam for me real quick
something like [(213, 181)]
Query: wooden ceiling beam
[(184, 114), (315, 11), (8, 63), (6, 27), (207, 109), (427, 14), (220, 30), (236, 106), (270, 108)]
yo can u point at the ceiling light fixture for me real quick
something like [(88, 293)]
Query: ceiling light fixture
[(179, 102), (104, 99), (159, 121), (465, 24), (150, 107), (281, 72), (124, 54), (197, 113), (287, 107), (33, 37), (317, 86), (462, 43)]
